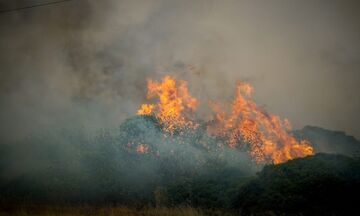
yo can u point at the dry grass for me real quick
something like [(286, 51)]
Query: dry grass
[(99, 211)]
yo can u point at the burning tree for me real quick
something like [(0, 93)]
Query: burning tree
[(246, 126)]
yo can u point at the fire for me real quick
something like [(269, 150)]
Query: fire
[(145, 109), (245, 125), (141, 148), (173, 103), (262, 132)]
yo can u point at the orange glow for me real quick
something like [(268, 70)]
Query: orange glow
[(174, 103), (141, 148), (244, 125), (145, 109), (263, 133)]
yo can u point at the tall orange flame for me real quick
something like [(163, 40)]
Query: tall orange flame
[(246, 125), (174, 100), (264, 133)]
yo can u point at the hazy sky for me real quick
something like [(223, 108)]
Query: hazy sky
[(85, 63)]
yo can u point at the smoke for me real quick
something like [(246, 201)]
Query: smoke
[(84, 63), (70, 69)]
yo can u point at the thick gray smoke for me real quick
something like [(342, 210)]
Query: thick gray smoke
[(85, 63)]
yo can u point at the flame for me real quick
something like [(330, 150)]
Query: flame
[(174, 102), (141, 148), (246, 125), (264, 133), (145, 109)]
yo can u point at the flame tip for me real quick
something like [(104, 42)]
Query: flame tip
[(265, 133)]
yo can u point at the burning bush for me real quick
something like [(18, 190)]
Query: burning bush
[(165, 156), (247, 126)]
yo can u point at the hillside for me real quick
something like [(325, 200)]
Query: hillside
[(316, 185), (137, 166), (329, 141), (124, 166)]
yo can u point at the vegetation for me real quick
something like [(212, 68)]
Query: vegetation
[(32, 210), (67, 168), (327, 141), (321, 184)]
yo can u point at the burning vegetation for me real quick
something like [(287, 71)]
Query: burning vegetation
[(245, 126), (166, 157), (175, 104)]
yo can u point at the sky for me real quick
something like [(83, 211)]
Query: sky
[(84, 63)]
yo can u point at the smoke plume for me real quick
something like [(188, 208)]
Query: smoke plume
[(84, 63)]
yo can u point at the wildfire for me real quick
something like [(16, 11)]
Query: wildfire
[(246, 125), (263, 133), (145, 109), (141, 148), (174, 105)]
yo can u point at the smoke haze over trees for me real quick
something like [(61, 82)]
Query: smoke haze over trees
[(74, 74), (86, 62)]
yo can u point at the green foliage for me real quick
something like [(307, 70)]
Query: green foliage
[(327, 141), (190, 169), (322, 183), (70, 166)]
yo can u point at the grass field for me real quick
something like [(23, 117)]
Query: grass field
[(32, 210)]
